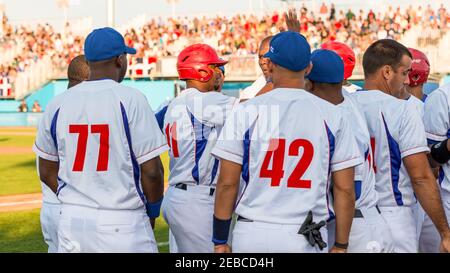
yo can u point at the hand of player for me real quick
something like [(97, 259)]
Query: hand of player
[(292, 22), (337, 250), (222, 249), (152, 222), (445, 244)]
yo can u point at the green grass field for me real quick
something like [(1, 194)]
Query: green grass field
[(21, 231)]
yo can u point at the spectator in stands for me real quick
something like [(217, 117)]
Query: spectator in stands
[(23, 107), (36, 107), (236, 35)]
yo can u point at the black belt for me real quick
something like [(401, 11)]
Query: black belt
[(358, 213), (183, 186), (243, 219)]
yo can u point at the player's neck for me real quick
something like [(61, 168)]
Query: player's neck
[(332, 96), (289, 83), (374, 84), (101, 75), (417, 91), (200, 86)]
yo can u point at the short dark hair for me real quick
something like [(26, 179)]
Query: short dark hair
[(383, 52)]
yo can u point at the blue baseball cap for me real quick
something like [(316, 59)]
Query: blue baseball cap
[(105, 43), (290, 50), (328, 67)]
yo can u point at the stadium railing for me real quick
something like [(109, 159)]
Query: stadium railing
[(34, 77), (239, 68)]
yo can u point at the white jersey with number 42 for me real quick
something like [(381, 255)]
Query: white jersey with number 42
[(100, 132), (396, 130), (287, 141)]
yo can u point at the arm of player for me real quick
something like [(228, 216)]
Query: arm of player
[(226, 194), (152, 179), (229, 149), (413, 148), (344, 205), (345, 157), (267, 88), (48, 173), (45, 148), (436, 121), (427, 192)]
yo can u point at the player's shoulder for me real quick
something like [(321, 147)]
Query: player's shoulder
[(57, 102), (128, 92), (193, 95), (352, 88), (250, 91), (442, 91), (413, 101), (379, 99)]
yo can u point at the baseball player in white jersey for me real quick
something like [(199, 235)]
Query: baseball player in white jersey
[(418, 76), (285, 155), (399, 146), (191, 123), (77, 72), (370, 232), (98, 148), (437, 126), (348, 57), (263, 82), (427, 234)]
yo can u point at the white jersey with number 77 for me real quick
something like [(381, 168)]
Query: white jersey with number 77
[(100, 132)]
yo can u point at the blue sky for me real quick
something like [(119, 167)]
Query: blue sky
[(47, 10)]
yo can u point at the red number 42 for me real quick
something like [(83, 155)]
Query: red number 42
[(276, 154), (103, 154)]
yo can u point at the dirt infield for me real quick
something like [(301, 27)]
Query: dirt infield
[(15, 150), (20, 202), (18, 131)]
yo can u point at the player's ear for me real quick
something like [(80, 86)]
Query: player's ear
[(269, 65), (309, 85), (387, 72), (308, 69), (121, 61)]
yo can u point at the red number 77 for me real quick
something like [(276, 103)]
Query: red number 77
[(103, 154)]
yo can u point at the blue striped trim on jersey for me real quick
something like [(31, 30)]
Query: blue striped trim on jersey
[(60, 187), (424, 97), (246, 155), (136, 169), (160, 117), (201, 135), (331, 146), (358, 186), (53, 129), (441, 176), (55, 142), (395, 162)]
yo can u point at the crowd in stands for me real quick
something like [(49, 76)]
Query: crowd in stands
[(238, 35), (35, 43)]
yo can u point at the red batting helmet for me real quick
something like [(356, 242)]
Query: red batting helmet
[(346, 53), (196, 58), (420, 68)]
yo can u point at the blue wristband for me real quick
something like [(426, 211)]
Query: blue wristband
[(154, 209), (221, 228)]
